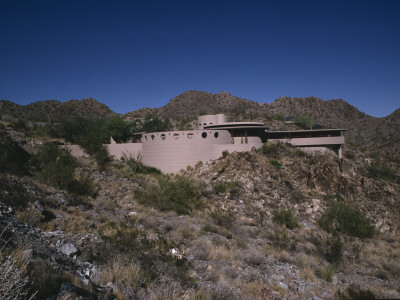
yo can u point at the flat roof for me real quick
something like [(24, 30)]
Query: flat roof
[(236, 125), (307, 131)]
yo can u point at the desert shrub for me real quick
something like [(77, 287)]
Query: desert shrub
[(102, 156), (14, 280), (122, 272), (274, 149), (155, 124), (222, 187), (279, 116), (88, 133), (331, 248), (285, 218), (14, 284), (379, 169), (20, 124), (117, 128), (54, 165), (15, 195), (13, 159), (49, 129), (225, 153), (328, 272), (340, 217), (129, 236), (280, 239), (353, 293), (82, 186), (304, 122), (276, 164), (136, 166), (171, 193), (223, 218)]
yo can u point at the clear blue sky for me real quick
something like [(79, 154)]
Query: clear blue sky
[(134, 54)]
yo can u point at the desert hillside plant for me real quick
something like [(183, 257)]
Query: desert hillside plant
[(379, 169), (222, 187), (285, 218), (13, 159), (171, 193), (136, 165), (274, 149), (346, 219), (304, 122), (56, 166)]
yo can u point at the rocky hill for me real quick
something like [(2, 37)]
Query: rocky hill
[(53, 110), (270, 224), (376, 134), (379, 135)]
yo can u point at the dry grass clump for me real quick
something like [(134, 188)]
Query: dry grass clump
[(14, 281), (308, 274), (252, 289), (122, 272)]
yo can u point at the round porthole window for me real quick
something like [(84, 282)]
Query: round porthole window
[(163, 136), (204, 135), (216, 134)]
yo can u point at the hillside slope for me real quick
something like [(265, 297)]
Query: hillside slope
[(53, 110)]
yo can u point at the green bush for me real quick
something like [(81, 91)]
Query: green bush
[(136, 166), (355, 293), (379, 169), (304, 122), (331, 248), (223, 218), (222, 187), (175, 193), (276, 164), (340, 217), (274, 149), (49, 130), (56, 166), (154, 124), (13, 159), (328, 272), (285, 218)]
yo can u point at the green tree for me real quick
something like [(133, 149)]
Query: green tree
[(304, 122), (117, 128)]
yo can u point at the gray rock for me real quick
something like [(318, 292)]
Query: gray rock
[(69, 249)]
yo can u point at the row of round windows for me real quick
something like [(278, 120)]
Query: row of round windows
[(176, 136)]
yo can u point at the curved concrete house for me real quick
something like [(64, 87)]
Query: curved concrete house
[(175, 150)]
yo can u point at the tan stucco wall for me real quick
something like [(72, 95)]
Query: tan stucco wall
[(177, 150), (118, 150)]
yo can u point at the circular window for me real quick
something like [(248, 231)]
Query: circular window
[(152, 136), (163, 136), (204, 135), (215, 134)]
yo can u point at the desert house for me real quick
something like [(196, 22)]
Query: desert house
[(172, 151)]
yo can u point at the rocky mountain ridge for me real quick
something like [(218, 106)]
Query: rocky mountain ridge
[(376, 134)]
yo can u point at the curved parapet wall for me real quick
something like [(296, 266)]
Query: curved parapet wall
[(175, 150), (206, 120)]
